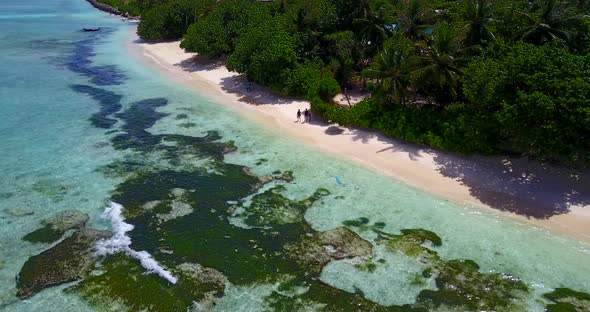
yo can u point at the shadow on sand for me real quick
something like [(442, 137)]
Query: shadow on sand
[(256, 94), (518, 185), (199, 63)]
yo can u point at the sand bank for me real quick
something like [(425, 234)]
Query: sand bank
[(553, 198)]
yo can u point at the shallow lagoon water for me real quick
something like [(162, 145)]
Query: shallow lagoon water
[(53, 158)]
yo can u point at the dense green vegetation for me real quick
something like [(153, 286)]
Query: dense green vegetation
[(469, 76), (133, 7)]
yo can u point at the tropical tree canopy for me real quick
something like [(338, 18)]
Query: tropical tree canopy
[(485, 76)]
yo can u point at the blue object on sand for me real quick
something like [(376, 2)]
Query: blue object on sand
[(340, 182)]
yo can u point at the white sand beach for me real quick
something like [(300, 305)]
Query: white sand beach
[(553, 198)]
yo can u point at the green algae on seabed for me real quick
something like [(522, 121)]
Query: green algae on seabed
[(567, 300), (70, 260), (55, 227), (206, 251), (271, 208), (459, 282), (46, 234), (243, 256), (6, 195), (52, 189), (363, 223), (187, 125), (122, 282), (412, 243)]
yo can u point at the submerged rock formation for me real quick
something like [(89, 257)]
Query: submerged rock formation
[(55, 227), (314, 251), (104, 7), (70, 260), (566, 300)]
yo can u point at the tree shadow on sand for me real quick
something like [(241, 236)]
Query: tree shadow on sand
[(199, 63), (518, 185), (252, 93)]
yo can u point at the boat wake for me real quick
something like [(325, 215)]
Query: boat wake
[(119, 242)]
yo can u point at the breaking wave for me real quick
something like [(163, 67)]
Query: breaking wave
[(119, 242)]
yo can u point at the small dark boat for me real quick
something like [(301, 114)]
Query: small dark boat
[(91, 29)]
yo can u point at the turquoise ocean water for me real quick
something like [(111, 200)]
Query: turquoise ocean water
[(65, 96)]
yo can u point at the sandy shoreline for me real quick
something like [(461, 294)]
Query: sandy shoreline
[(556, 199)]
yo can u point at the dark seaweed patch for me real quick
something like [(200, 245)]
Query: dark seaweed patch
[(138, 117), (271, 208), (46, 234), (80, 62), (109, 101), (567, 300), (142, 115), (56, 226), (148, 292), (68, 261)]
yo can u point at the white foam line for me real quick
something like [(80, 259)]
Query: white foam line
[(120, 242)]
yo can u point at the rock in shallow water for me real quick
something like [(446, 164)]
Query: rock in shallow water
[(55, 227), (315, 251), (19, 212), (70, 260)]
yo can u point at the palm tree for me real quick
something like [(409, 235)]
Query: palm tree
[(438, 72), (390, 69), (373, 30), (412, 18), (477, 15), (549, 20)]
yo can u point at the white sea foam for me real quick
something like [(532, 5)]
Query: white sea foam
[(120, 242)]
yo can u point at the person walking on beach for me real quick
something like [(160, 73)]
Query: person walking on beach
[(298, 115), (309, 116), (305, 114)]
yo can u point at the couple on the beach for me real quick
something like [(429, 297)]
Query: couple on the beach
[(306, 115)]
